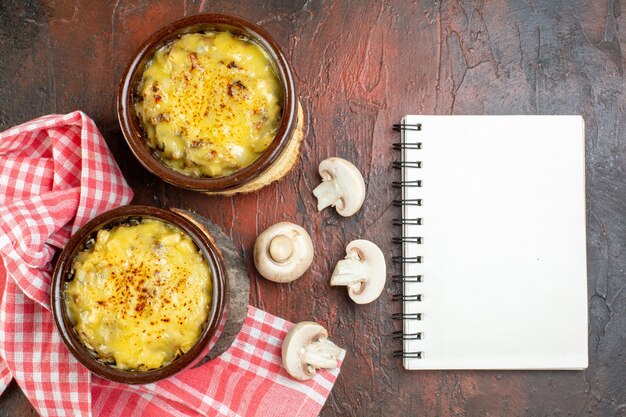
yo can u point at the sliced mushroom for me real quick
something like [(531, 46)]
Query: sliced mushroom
[(306, 348), (283, 252), (342, 187), (363, 271)]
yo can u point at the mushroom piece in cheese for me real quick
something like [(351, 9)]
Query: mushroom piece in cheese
[(140, 296), (210, 103)]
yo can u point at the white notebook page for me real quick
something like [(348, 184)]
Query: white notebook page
[(503, 269)]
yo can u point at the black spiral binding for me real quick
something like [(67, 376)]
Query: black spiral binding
[(402, 184), (400, 146), (400, 222), (407, 202), (407, 316), (406, 297), (407, 239), (406, 164), (407, 336), (401, 278), (398, 127)]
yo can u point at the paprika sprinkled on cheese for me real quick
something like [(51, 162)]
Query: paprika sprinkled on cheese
[(141, 295), (210, 103)]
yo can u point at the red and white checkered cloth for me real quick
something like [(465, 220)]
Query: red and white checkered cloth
[(56, 173)]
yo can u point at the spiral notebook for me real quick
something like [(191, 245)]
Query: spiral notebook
[(494, 272)]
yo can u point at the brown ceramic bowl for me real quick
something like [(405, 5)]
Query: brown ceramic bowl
[(133, 130), (76, 244)]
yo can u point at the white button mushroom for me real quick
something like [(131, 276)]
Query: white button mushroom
[(342, 187), (306, 348), (283, 252), (363, 271)]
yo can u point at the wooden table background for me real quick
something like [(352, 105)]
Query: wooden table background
[(359, 66)]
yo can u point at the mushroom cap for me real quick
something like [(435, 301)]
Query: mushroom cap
[(373, 257), (283, 252), (350, 182), (297, 338)]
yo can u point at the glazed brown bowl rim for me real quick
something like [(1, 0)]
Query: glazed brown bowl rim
[(131, 126), (119, 216)]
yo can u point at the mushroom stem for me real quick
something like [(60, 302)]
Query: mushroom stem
[(327, 193), (321, 354), (281, 248), (350, 272)]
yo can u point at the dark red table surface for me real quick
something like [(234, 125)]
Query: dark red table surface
[(359, 66)]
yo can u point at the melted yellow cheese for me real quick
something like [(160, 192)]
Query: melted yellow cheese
[(141, 295), (210, 103)]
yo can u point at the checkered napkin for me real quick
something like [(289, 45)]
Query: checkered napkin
[(56, 173)]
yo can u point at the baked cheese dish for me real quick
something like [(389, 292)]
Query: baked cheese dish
[(210, 103), (140, 296)]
